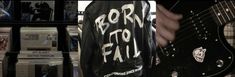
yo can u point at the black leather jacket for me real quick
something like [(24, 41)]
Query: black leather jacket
[(116, 39)]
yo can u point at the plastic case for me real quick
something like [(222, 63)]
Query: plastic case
[(73, 38), (2, 63), (39, 64), (33, 10), (74, 56), (39, 38), (70, 11), (5, 38)]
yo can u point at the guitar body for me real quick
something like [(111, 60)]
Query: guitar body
[(200, 49)]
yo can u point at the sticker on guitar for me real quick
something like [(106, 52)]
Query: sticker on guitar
[(199, 54)]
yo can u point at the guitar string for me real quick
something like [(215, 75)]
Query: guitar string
[(226, 3), (195, 22), (197, 16), (190, 25), (223, 7), (182, 27), (185, 21), (182, 34), (186, 36), (182, 30), (201, 13), (168, 60), (180, 39), (199, 28), (205, 11), (186, 26), (190, 19), (177, 43)]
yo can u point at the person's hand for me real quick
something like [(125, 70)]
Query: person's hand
[(166, 25)]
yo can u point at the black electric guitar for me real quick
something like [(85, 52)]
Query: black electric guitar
[(200, 48)]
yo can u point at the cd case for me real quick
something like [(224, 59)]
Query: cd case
[(39, 38), (36, 10), (39, 64), (2, 63), (40, 55), (39, 68), (73, 38), (6, 10), (70, 11), (5, 38), (74, 56)]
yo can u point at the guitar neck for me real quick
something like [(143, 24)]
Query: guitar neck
[(223, 12)]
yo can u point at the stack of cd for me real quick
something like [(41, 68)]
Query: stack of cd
[(6, 10), (74, 56), (39, 39), (39, 64), (73, 38), (5, 35), (2, 63), (71, 10), (32, 10)]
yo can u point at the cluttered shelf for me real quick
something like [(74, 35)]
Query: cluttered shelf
[(36, 24), (39, 38)]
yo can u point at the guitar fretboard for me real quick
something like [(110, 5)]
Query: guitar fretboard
[(224, 11)]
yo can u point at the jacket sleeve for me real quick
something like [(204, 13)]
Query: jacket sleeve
[(149, 43), (87, 46)]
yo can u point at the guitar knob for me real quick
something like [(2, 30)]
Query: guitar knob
[(220, 63), (174, 74), (203, 73)]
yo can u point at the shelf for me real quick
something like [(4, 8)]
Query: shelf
[(32, 24)]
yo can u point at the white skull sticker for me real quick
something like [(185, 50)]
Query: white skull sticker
[(199, 54)]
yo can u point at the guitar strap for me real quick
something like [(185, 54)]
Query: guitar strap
[(176, 3)]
